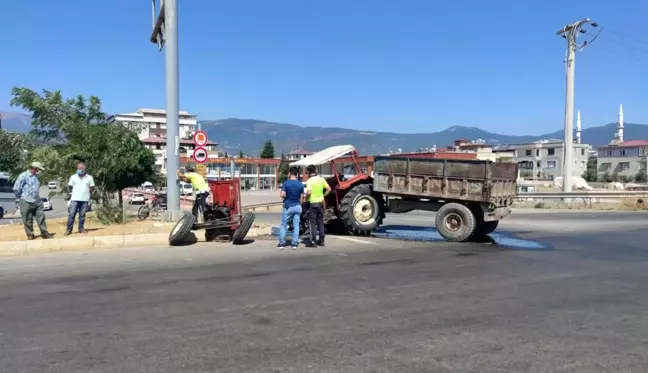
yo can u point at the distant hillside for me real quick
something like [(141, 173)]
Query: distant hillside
[(16, 122), (248, 135)]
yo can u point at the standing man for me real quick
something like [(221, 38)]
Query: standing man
[(81, 186), (291, 193), (317, 189), (27, 191), (201, 189)]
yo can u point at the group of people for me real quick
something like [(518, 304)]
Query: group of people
[(294, 194), (27, 191)]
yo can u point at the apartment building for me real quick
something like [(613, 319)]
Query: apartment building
[(297, 154), (622, 158), (544, 159), (152, 123)]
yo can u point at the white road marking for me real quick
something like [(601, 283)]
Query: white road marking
[(352, 240)]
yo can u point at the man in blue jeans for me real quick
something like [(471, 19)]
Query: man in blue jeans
[(81, 186), (291, 192)]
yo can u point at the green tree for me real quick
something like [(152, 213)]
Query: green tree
[(268, 150), (13, 148), (606, 177), (641, 176), (284, 168), (241, 155), (113, 154), (591, 173)]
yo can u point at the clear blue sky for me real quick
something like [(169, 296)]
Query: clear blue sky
[(405, 66)]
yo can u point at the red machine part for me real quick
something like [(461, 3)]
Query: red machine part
[(228, 193)]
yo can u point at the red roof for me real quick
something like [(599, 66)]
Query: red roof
[(627, 144), (162, 140)]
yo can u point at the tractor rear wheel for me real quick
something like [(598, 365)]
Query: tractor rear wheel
[(361, 210), (246, 223)]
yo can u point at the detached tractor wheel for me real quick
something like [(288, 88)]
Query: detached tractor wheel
[(455, 222), (243, 229), (181, 230), (361, 210)]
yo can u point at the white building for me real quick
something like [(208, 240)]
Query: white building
[(152, 123)]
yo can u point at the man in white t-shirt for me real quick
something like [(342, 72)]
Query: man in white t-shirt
[(80, 187)]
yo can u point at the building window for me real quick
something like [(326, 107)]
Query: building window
[(623, 166), (551, 151), (551, 164), (528, 153), (606, 166), (608, 153), (582, 151), (623, 152), (539, 164), (158, 146)]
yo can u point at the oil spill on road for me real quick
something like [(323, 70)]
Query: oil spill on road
[(428, 234)]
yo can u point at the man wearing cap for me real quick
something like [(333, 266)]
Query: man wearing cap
[(27, 191)]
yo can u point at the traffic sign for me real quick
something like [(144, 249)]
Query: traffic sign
[(200, 138), (200, 155)]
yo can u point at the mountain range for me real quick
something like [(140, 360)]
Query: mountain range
[(248, 135)]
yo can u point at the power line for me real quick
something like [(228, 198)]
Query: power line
[(626, 35)]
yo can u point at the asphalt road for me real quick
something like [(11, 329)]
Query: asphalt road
[(578, 304)]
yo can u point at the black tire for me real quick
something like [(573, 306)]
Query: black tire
[(373, 210), (456, 222), (1, 212), (143, 212), (181, 230), (488, 227), (243, 229)]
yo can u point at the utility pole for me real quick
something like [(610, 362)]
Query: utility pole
[(165, 35), (571, 33)]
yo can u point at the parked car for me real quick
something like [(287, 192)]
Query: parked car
[(47, 204), (52, 185), (137, 199)]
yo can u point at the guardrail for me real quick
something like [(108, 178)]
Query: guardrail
[(260, 206), (586, 194)]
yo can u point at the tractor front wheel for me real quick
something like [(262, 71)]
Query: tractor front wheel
[(362, 211)]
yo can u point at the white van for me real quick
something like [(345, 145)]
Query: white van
[(186, 189)]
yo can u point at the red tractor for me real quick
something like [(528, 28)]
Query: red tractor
[(224, 218), (352, 207)]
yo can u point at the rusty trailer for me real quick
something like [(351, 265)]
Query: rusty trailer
[(469, 196)]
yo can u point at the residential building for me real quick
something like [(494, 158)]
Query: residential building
[(623, 159), (544, 159), (297, 154), (152, 123)]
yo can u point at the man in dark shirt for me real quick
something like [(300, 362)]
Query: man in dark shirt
[(291, 192)]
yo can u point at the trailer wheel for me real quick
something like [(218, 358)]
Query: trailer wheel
[(362, 211), (181, 230), (243, 229), (488, 227), (455, 222)]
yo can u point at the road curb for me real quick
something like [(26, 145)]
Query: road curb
[(16, 248)]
